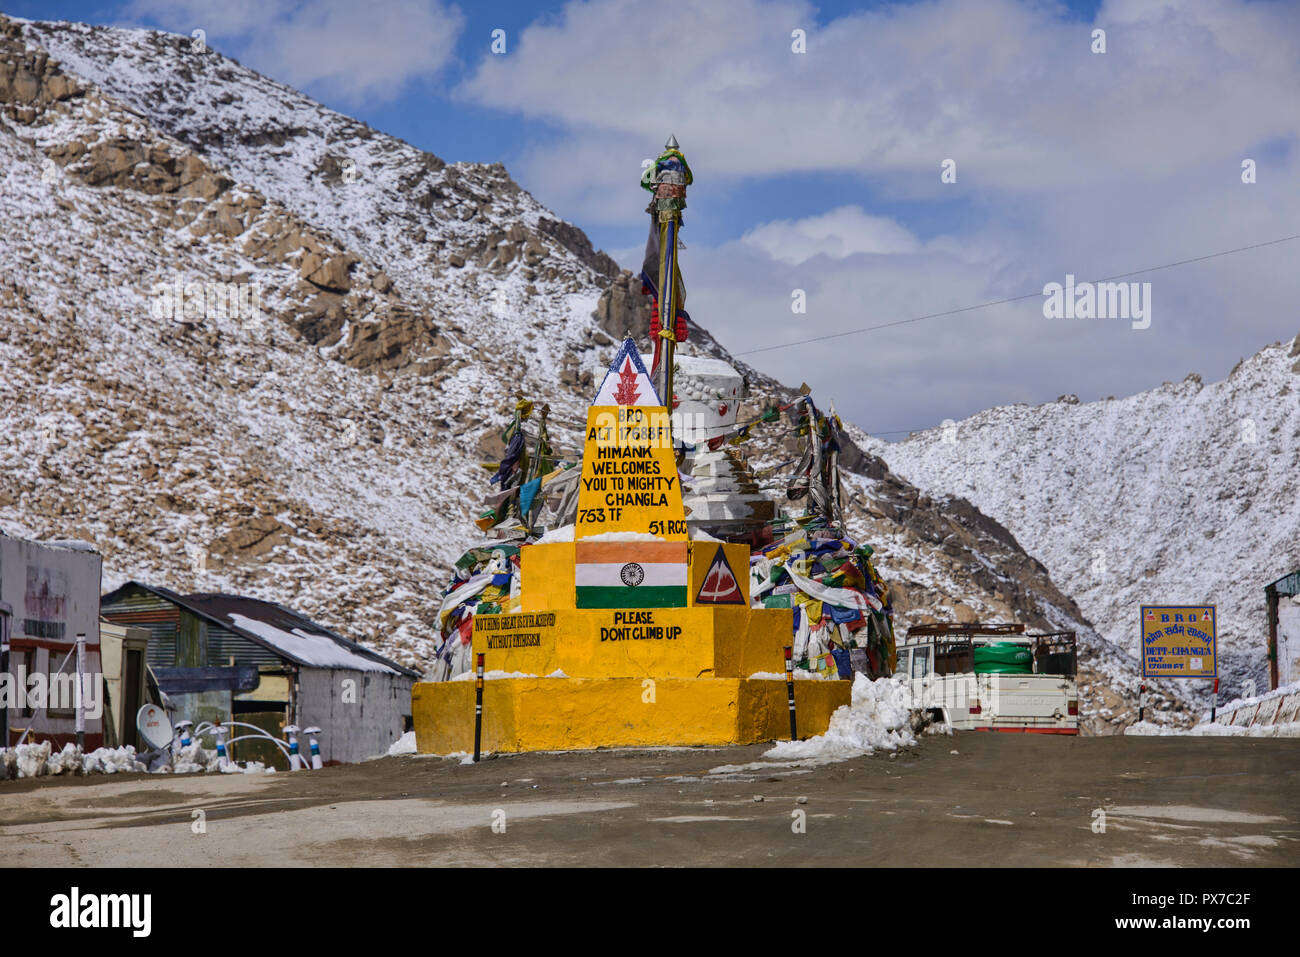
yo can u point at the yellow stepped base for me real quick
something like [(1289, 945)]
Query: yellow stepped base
[(699, 642), (556, 714)]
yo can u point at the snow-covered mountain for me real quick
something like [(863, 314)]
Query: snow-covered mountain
[(1188, 493), (324, 452)]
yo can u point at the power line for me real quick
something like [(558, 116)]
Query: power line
[(1002, 302)]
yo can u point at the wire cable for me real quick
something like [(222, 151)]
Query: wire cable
[(1002, 302)]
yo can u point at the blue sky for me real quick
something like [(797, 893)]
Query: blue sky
[(820, 171)]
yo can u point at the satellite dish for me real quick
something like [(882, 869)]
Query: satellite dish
[(151, 721)]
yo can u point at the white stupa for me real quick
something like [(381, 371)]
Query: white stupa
[(723, 494)]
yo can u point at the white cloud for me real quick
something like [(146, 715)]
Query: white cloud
[(357, 52), (1204, 315), (841, 232), (1067, 161), (1010, 91)]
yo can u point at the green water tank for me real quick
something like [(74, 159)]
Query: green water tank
[(1003, 658)]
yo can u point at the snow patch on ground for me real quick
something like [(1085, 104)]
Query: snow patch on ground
[(1208, 730), (403, 745), (492, 675), (879, 716)]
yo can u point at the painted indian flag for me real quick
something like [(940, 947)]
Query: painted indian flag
[(631, 574)]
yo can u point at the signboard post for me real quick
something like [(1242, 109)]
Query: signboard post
[(1179, 641)]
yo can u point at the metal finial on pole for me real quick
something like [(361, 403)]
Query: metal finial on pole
[(672, 143)]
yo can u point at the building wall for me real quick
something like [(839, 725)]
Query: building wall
[(54, 592), (358, 722), (1288, 640)]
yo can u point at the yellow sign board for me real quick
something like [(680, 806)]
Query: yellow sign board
[(615, 642), (1178, 641), (629, 474)]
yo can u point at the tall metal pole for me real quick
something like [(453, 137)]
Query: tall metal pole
[(668, 180), (6, 614), (81, 692), (668, 303)]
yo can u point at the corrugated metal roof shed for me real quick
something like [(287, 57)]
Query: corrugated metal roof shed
[(1286, 585), (278, 633)]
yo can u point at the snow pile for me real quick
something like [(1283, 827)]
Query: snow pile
[(1259, 719), (879, 716), (403, 745), (1208, 730), (67, 761), (492, 675), (24, 761), (250, 767), (800, 674), (191, 759), (40, 760), (1279, 692), (111, 761)]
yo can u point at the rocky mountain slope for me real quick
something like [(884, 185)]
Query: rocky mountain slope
[(322, 449), (1184, 494)]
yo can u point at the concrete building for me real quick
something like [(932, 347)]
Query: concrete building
[(52, 593), (224, 657)]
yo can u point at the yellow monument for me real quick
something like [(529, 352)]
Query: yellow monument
[(632, 633)]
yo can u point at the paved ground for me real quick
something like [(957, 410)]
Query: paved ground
[(1001, 800)]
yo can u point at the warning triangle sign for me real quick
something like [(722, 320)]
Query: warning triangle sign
[(627, 382), (719, 586)]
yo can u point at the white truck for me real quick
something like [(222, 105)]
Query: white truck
[(993, 677)]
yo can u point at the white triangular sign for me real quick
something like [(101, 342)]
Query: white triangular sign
[(627, 382)]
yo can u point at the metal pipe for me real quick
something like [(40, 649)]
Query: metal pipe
[(249, 737), (261, 732)]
